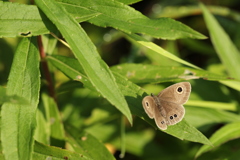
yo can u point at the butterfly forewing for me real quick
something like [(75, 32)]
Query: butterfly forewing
[(177, 93)]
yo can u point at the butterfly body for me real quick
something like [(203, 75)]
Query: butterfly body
[(167, 107)]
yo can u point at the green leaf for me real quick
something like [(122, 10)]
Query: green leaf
[(233, 84), (42, 133), (195, 115), (183, 130), (122, 17), (181, 11), (46, 152), (68, 65), (71, 68), (134, 145), (103, 13), (26, 20), (86, 144), (53, 117), (14, 99), (228, 132), (31, 20), (139, 73), (134, 95), (94, 67), (158, 50), (128, 1), (231, 106), (18, 120), (225, 48), (49, 43), (49, 125)]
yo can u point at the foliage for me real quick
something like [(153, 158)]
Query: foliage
[(68, 91)]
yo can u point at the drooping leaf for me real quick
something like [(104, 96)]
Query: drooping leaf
[(94, 67)]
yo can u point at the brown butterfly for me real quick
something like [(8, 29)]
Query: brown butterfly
[(167, 108)]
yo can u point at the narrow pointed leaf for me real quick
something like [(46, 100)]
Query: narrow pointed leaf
[(233, 84), (185, 131), (211, 116), (158, 50), (139, 73), (228, 132), (225, 48), (17, 120), (122, 17), (95, 68)]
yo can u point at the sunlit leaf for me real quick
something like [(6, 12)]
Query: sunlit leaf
[(19, 119), (88, 145), (94, 67), (122, 17), (222, 43), (228, 132)]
